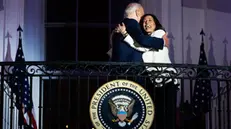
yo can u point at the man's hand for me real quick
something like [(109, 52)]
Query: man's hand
[(121, 28), (165, 38)]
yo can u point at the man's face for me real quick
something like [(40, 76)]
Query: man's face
[(139, 13)]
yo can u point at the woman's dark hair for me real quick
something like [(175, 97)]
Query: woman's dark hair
[(158, 25)]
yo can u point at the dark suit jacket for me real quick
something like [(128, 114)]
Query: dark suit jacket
[(122, 52)]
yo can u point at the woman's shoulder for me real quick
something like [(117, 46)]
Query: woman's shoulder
[(158, 33)]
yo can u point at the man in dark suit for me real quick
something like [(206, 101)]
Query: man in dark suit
[(121, 51)]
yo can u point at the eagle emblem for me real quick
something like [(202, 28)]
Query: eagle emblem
[(122, 108)]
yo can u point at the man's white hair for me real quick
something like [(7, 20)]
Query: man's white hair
[(131, 8)]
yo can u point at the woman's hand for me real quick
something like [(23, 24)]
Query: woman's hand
[(165, 38), (121, 29)]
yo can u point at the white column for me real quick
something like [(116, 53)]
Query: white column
[(172, 21), (165, 14), (33, 35)]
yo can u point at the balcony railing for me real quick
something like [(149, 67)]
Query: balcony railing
[(62, 91)]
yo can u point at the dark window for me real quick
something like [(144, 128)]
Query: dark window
[(94, 11), (93, 43), (60, 11), (93, 30), (61, 43), (90, 41), (60, 19)]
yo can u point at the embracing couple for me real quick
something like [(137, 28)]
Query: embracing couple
[(141, 38)]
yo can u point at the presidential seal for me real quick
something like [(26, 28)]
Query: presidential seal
[(121, 104)]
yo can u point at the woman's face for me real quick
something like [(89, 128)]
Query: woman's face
[(149, 25)]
